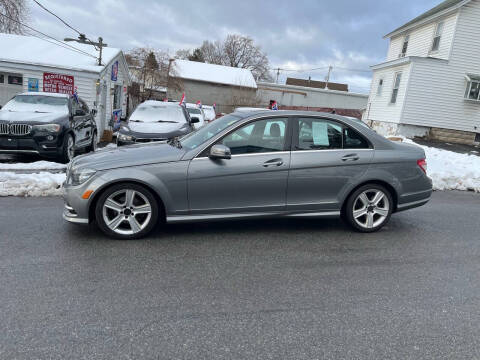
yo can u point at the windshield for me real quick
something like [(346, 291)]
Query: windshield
[(193, 111), (38, 103), (158, 113), (197, 138)]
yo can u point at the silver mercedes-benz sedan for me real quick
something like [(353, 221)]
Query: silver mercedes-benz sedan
[(249, 164)]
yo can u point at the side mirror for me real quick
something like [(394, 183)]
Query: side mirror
[(194, 120), (220, 151), (93, 112)]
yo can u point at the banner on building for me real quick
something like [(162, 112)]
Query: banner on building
[(32, 84), (58, 83), (114, 71)]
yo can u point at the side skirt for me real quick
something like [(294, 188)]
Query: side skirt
[(213, 217)]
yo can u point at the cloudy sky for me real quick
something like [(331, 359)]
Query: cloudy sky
[(297, 35)]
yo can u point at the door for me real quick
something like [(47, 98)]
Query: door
[(253, 180), (326, 157)]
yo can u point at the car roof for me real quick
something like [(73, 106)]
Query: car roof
[(157, 102), (37, 93)]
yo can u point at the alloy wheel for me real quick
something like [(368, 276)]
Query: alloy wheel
[(371, 208), (127, 212)]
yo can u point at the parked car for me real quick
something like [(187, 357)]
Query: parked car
[(250, 165), (197, 112), (209, 112), (48, 124), (156, 121)]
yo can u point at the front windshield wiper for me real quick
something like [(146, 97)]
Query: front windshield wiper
[(41, 112), (175, 142), (135, 121), (167, 121)]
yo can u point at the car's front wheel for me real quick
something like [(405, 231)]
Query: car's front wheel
[(369, 208), (126, 211), (68, 149)]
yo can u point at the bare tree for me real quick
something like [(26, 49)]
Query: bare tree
[(238, 51), (12, 13), (149, 69)]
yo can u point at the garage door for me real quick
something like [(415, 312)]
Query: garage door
[(10, 85)]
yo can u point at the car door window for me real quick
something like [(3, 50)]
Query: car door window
[(266, 135), (76, 106), (84, 107), (319, 134), (353, 140)]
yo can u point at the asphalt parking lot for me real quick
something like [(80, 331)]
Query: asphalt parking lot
[(270, 289)]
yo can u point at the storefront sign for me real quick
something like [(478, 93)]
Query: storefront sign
[(117, 115), (58, 83), (32, 84), (114, 71)]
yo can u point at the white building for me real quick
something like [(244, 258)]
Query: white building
[(430, 81), (32, 64)]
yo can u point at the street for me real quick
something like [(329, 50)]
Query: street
[(270, 289)]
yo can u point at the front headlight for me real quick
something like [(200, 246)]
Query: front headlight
[(79, 176), (124, 137), (51, 128)]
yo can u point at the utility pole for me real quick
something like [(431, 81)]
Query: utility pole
[(327, 78), (278, 74), (170, 61), (82, 39)]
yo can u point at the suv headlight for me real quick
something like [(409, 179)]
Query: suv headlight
[(79, 176), (52, 128), (124, 137)]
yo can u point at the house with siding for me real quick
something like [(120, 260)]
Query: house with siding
[(429, 84), (29, 63)]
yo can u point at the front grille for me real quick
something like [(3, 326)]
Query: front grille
[(4, 129), (148, 140), (20, 129)]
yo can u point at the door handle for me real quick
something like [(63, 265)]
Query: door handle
[(273, 162), (350, 157)]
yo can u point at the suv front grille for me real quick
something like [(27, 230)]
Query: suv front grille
[(20, 129), (4, 129)]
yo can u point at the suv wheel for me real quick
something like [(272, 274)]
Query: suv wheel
[(369, 208), (68, 149), (93, 145), (126, 211)]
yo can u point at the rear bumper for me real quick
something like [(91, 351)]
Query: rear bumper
[(417, 199)]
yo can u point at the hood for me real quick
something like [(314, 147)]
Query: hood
[(154, 127), (132, 155), (27, 116)]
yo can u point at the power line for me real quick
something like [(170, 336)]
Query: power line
[(58, 17), (70, 47), (65, 23)]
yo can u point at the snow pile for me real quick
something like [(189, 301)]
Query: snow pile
[(450, 170), (40, 184), (37, 165)]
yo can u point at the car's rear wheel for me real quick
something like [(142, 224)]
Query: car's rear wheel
[(126, 211), (369, 208)]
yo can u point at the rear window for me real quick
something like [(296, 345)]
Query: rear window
[(158, 113)]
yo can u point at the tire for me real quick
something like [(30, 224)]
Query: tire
[(93, 145), (119, 217), (67, 153), (369, 208)]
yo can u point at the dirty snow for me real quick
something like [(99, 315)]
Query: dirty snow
[(450, 170), (37, 165), (40, 184)]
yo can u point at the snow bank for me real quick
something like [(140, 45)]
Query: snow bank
[(41, 184), (450, 170), (37, 165)]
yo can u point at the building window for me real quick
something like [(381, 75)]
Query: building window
[(472, 92), (15, 80), (405, 46), (396, 86), (1, 78), (380, 87), (437, 37)]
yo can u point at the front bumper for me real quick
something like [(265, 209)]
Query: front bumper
[(69, 214), (30, 144)]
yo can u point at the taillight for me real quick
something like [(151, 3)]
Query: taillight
[(423, 165)]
